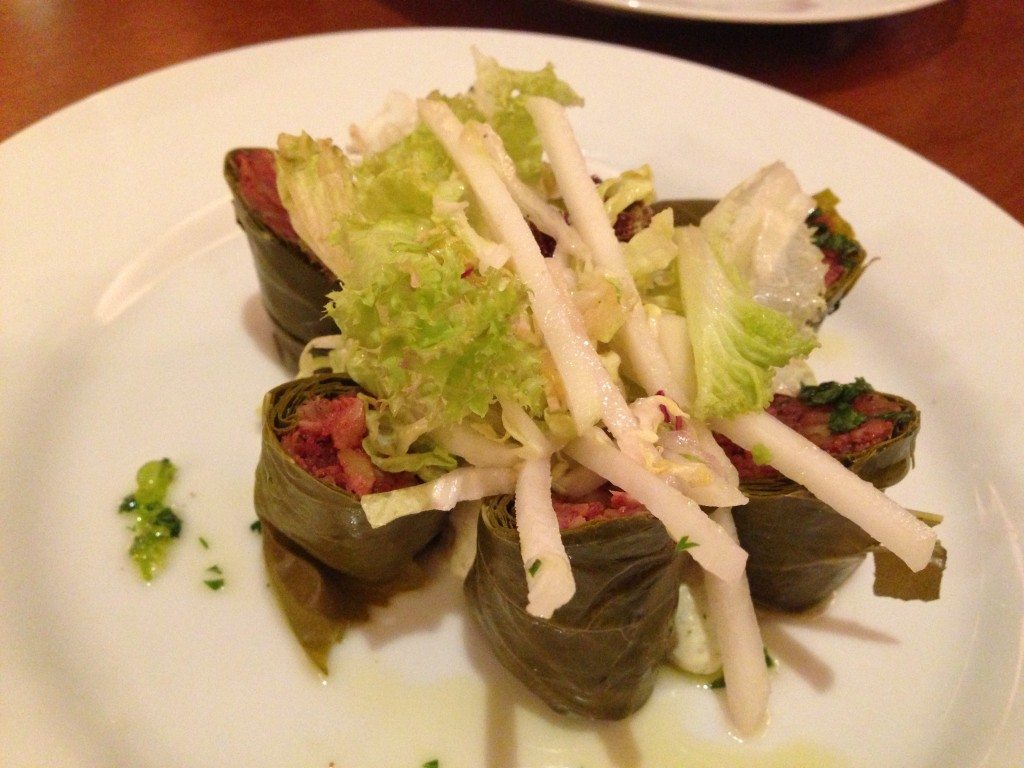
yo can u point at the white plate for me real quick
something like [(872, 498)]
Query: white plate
[(766, 11), (132, 330)]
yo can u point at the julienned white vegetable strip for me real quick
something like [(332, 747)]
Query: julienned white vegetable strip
[(709, 545), (675, 345), (545, 216), (549, 579), (463, 484), (648, 358), (521, 427), (802, 461), (739, 642), (590, 392), (589, 219), (571, 349)]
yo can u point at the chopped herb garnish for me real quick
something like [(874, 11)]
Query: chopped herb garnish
[(534, 567), (844, 416), (214, 583), (205, 544), (155, 524), (169, 520), (898, 418), (831, 392), (761, 454), (256, 526), (846, 249), (685, 543), (432, 764)]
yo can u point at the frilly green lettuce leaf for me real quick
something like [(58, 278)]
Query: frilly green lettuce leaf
[(737, 342), (425, 325), (499, 93), (314, 180), (433, 340), (760, 228)]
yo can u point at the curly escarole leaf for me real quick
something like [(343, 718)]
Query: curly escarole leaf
[(434, 342), (314, 179), (324, 520), (629, 187), (598, 655)]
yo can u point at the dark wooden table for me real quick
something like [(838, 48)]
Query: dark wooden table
[(947, 80)]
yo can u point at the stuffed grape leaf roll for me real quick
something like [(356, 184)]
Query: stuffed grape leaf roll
[(599, 654)]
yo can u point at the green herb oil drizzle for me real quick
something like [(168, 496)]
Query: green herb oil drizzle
[(155, 525)]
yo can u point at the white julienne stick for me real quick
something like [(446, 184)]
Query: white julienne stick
[(739, 641), (536, 208), (588, 387), (650, 362), (573, 353), (711, 546), (802, 461), (549, 579), (589, 219)]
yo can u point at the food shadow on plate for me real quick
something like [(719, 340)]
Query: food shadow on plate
[(260, 329), (322, 605), (507, 698), (797, 656), (422, 610)]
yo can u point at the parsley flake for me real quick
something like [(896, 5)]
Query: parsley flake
[(840, 397), (685, 543)]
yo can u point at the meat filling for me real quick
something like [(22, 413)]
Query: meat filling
[(607, 505), (878, 415), (327, 443), (840, 253), (257, 185)]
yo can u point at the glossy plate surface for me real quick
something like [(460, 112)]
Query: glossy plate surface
[(132, 329), (766, 11)]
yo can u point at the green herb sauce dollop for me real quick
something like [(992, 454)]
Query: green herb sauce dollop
[(154, 524)]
